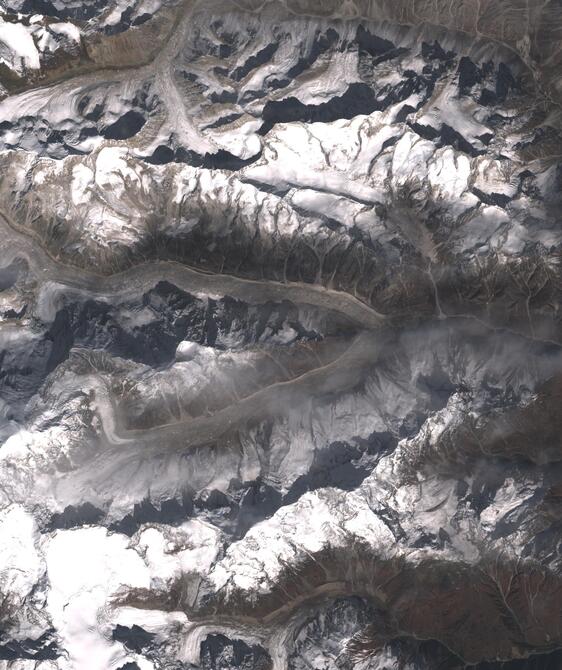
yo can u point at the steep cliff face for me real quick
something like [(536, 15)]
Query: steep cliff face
[(281, 344)]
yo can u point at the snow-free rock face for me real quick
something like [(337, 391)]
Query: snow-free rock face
[(280, 334)]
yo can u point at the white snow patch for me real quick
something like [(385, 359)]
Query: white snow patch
[(86, 569), (20, 564), (17, 48), (82, 181), (170, 552), (68, 30)]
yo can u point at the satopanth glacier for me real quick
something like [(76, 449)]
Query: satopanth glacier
[(280, 334)]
